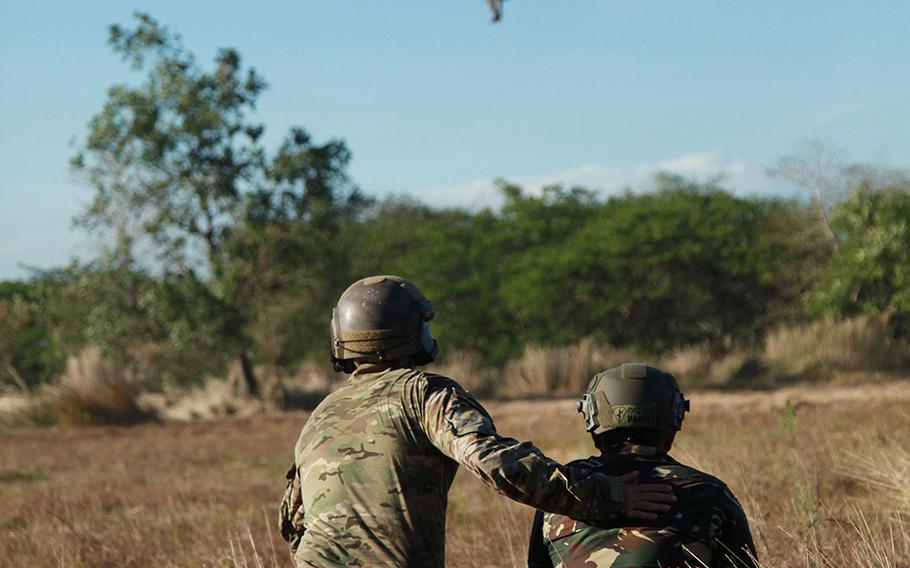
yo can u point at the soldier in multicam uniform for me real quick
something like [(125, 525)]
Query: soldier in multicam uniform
[(374, 462), (633, 413)]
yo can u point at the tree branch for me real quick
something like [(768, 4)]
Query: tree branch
[(17, 378)]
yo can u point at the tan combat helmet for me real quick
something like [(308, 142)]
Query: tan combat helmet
[(633, 395), (382, 318)]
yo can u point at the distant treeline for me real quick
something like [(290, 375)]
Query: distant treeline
[(222, 251), (684, 265)]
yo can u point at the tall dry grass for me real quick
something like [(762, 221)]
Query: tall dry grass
[(92, 390), (471, 371), (887, 469), (860, 349), (824, 348), (95, 390), (697, 367), (810, 501), (547, 371), (823, 487), (539, 371), (218, 397)]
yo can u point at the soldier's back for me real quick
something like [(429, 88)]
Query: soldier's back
[(373, 486), (706, 526)]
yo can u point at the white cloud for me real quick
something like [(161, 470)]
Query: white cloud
[(695, 164), (478, 192), (739, 176)]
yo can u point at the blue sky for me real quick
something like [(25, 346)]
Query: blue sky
[(435, 101)]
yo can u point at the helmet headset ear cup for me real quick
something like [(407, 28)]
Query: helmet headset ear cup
[(681, 405), (429, 348), (337, 344), (346, 366), (340, 364)]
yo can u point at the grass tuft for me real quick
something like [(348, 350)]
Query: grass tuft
[(824, 348), (888, 471), (470, 370), (23, 474), (94, 390), (546, 371), (857, 350)]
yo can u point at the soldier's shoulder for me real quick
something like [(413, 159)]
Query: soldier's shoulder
[(586, 463), (422, 384), (687, 475), (700, 485), (329, 400), (434, 381), (396, 378)]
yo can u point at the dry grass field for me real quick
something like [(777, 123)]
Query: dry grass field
[(823, 473)]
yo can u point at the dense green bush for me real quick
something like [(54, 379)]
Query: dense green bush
[(27, 356), (871, 272), (685, 265)]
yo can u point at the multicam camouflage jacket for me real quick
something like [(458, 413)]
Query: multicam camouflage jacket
[(374, 463), (706, 527)]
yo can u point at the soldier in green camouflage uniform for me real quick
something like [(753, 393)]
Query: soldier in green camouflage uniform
[(633, 412), (374, 462)]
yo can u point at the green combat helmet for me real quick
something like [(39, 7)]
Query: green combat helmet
[(633, 395), (382, 318)]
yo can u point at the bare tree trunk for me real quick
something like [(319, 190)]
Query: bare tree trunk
[(247, 383), (823, 221), (821, 169)]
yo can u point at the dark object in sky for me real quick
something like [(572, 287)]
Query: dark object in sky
[(496, 9)]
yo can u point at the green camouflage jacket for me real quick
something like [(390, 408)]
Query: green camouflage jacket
[(706, 527), (375, 460)]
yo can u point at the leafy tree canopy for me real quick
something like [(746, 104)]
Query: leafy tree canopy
[(871, 273), (179, 170)]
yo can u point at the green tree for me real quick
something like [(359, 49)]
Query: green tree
[(27, 357), (687, 264), (182, 180), (455, 256), (538, 232), (871, 273)]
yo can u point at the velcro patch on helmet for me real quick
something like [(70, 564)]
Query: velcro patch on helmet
[(371, 280), (634, 371), (370, 335), (375, 340), (634, 415)]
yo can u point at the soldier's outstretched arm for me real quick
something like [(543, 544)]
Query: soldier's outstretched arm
[(462, 429)]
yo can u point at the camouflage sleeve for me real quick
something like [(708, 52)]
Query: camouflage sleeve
[(737, 548), (460, 427), (538, 556), (290, 512)]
